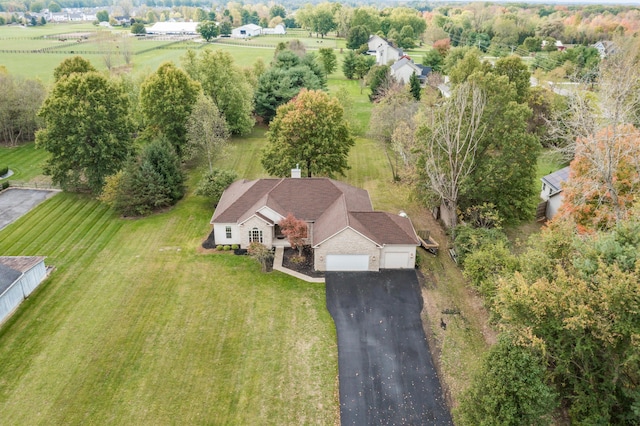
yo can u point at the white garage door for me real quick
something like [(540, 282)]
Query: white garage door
[(347, 262), (396, 260)]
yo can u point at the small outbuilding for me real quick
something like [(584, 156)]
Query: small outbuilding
[(551, 192), (277, 30), (19, 277), (246, 31)]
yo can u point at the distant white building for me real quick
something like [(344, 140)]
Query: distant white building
[(246, 31), (382, 50), (404, 68), (277, 30), (173, 28), (605, 48)]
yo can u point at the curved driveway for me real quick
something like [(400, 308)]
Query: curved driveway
[(386, 373)]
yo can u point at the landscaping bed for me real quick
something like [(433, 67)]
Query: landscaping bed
[(289, 261)]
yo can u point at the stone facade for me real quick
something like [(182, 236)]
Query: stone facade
[(347, 241)]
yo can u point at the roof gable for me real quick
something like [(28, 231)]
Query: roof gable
[(305, 198), (557, 178)]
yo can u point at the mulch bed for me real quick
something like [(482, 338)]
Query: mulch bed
[(305, 267)]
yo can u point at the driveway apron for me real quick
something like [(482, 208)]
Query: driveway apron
[(386, 373)]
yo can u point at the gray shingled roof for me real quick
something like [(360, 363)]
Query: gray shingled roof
[(384, 228), (7, 277), (556, 179), (305, 198), (330, 204)]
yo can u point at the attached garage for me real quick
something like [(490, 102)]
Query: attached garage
[(396, 260), (347, 262)]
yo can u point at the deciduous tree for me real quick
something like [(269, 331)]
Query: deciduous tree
[(311, 131), (19, 104), (509, 389), (87, 131), (295, 230), (226, 84), (208, 30), (261, 253), (167, 98), (75, 64), (207, 131), (578, 301), (451, 141), (358, 36)]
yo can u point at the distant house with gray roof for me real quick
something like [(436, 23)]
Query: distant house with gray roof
[(344, 231), (404, 68)]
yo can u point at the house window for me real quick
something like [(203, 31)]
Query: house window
[(255, 235), (228, 231)]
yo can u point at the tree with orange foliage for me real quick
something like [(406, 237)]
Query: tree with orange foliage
[(295, 230), (604, 178)]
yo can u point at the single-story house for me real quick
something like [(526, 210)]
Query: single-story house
[(344, 231), (245, 31), (552, 191), (404, 67), (19, 276), (279, 29), (173, 28)]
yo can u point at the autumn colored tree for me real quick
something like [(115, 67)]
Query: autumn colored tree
[(604, 178), (601, 141), (295, 230), (310, 130)]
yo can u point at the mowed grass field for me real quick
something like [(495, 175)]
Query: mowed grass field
[(137, 326), (25, 161)]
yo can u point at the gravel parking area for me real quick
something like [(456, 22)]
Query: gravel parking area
[(15, 202), (386, 373)]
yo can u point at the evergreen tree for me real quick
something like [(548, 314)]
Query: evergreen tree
[(414, 87)]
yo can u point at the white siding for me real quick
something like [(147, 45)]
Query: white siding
[(553, 204), (220, 234), (21, 289), (403, 74), (9, 300), (32, 278)]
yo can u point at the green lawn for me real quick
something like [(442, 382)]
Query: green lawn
[(135, 326), (25, 161)]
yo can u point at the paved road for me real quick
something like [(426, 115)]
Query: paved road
[(16, 202), (385, 368)]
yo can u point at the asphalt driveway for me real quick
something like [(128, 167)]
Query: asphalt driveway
[(16, 202), (385, 368)]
